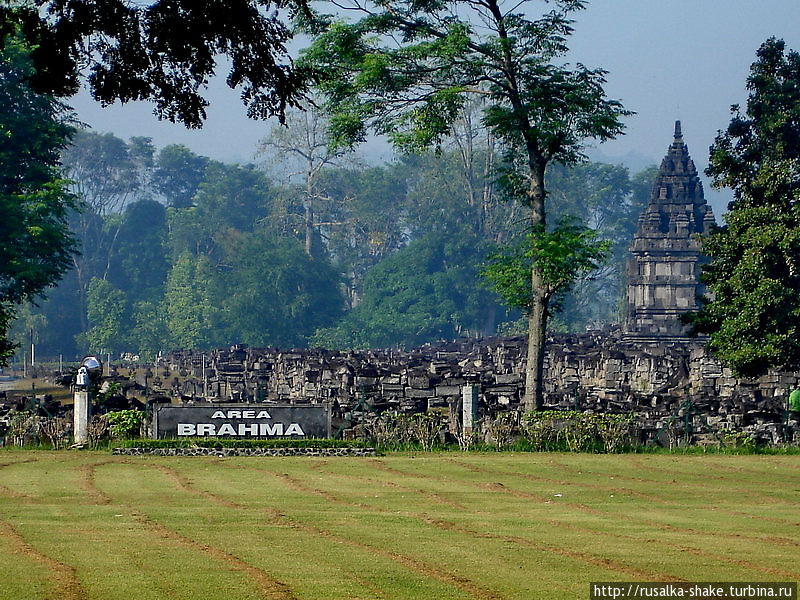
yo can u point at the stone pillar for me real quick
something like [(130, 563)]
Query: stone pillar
[(80, 416), (469, 407)]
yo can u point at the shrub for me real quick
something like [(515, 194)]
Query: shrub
[(23, 428), (126, 424), (393, 431), (579, 432), (503, 429), (56, 430), (97, 430)]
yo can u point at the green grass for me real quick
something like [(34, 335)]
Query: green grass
[(87, 525)]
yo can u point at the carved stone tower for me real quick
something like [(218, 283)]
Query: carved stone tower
[(665, 257)]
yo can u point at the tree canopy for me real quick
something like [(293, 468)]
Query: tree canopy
[(35, 242), (398, 252), (406, 69), (753, 312), (163, 52)]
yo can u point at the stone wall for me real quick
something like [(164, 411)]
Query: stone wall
[(599, 372), (225, 452)]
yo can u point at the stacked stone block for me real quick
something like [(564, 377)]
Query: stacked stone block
[(602, 371)]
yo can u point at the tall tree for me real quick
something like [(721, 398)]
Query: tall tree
[(368, 209), (35, 243), (107, 307), (602, 197), (753, 314), (302, 148), (426, 291), (540, 111), (107, 173), (163, 52), (274, 293), (178, 173), (192, 318), (139, 262), (232, 198)]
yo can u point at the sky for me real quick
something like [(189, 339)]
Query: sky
[(682, 60)]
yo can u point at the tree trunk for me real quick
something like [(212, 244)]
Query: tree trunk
[(537, 336), (537, 317), (309, 228)]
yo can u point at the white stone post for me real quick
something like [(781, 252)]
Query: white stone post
[(469, 407), (80, 408)]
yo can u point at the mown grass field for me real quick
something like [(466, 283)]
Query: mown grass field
[(88, 525)]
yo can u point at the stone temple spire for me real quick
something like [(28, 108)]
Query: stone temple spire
[(665, 257)]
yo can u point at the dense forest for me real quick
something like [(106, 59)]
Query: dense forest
[(306, 247)]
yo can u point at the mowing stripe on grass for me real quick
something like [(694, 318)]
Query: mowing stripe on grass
[(270, 587), (464, 584), (322, 467), (581, 557), (63, 578), (733, 477), (7, 491), (87, 482), (500, 487), (436, 498), (497, 486), (183, 483), (561, 482), (650, 498), (350, 528)]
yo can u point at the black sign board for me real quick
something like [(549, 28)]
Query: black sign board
[(242, 421)]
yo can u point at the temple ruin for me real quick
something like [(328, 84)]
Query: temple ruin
[(649, 367), (664, 266)]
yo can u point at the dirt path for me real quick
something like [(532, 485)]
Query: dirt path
[(63, 577)]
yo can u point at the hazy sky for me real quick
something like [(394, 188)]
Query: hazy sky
[(684, 59)]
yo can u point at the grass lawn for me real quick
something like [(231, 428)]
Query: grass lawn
[(88, 525)]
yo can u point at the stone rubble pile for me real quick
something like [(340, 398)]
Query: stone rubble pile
[(598, 372)]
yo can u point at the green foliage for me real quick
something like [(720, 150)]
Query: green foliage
[(106, 312), (23, 428), (503, 429), (609, 199), (561, 256), (150, 333), (414, 91), (740, 441), (178, 174), (230, 199), (275, 294), (424, 292), (391, 431), (161, 52), (753, 313), (539, 111), (191, 316), (579, 432), (35, 242), (125, 424), (139, 262)]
